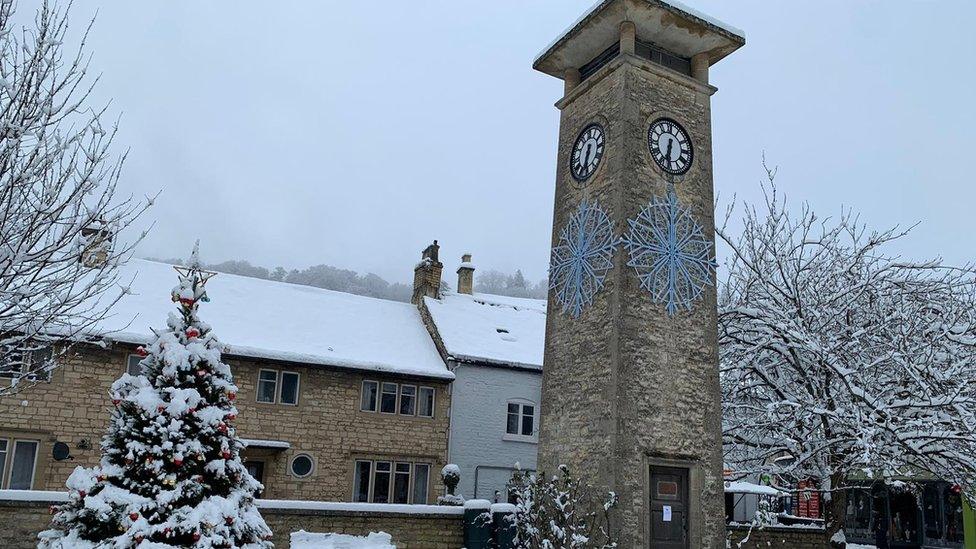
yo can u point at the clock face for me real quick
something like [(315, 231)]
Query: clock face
[(670, 146), (587, 152)]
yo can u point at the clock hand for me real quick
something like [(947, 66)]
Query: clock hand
[(670, 146), (586, 156)]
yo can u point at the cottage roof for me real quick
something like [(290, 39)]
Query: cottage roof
[(490, 329), (279, 321)]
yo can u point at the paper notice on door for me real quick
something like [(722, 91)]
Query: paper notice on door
[(667, 513)]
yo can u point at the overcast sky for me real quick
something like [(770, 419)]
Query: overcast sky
[(353, 133)]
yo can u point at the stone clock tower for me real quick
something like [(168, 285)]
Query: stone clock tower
[(630, 396)]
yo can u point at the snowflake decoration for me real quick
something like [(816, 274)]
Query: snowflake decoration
[(582, 257), (670, 253)]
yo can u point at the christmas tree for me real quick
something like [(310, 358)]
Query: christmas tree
[(170, 473)]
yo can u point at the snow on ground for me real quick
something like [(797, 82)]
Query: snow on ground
[(859, 546), (309, 540), (491, 328), (275, 320)]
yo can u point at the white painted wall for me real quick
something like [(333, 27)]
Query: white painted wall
[(478, 445)]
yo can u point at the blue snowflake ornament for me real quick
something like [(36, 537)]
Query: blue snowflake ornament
[(582, 257), (669, 251)]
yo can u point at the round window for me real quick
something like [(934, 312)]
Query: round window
[(301, 465)]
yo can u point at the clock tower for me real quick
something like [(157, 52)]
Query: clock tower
[(631, 397)]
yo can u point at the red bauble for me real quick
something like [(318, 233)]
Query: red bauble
[(139, 538), (229, 520), (141, 351), (192, 332), (52, 509), (225, 454), (222, 427), (134, 516), (177, 462), (196, 536), (100, 478), (167, 531), (231, 396), (116, 401), (81, 494), (232, 416), (201, 373), (160, 408)]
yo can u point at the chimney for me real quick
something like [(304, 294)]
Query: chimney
[(427, 275), (96, 241), (465, 274)]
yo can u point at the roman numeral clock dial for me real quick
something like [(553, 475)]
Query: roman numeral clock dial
[(587, 152), (670, 146)]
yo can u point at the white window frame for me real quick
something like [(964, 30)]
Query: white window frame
[(362, 393), (433, 401), (257, 392), (9, 466), (396, 398), (400, 399), (522, 403), (281, 388)]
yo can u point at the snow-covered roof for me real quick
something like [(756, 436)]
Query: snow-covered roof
[(261, 443), (598, 27), (490, 329), (278, 321), (740, 487)]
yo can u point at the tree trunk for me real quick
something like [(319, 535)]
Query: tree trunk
[(836, 510)]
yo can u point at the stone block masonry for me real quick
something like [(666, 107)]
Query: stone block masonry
[(24, 514), (777, 537)]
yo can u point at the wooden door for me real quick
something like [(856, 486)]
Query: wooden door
[(669, 507)]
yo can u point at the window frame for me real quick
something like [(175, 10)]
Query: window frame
[(257, 387), (400, 388), (291, 464), (281, 387), (396, 398), (391, 483), (519, 437), (10, 456), (376, 399), (433, 401), (128, 359)]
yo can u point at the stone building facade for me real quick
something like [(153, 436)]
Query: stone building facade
[(320, 429)]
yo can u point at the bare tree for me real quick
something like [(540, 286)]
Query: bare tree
[(838, 357), (60, 219)]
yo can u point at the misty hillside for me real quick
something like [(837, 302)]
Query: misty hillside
[(369, 284)]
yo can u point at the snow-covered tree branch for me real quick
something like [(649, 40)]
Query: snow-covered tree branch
[(840, 358), (60, 219)]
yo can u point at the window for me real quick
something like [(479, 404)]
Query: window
[(368, 400), (394, 398), (381, 482), (408, 399), (3, 459), (521, 419), (301, 465), (401, 483), (425, 405), (390, 482), (35, 362), (388, 398), (361, 481), (132, 366), (267, 385), (256, 470), (289, 388), (421, 476), (22, 465)]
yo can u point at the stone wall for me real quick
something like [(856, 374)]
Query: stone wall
[(436, 528), (327, 424), (777, 537)]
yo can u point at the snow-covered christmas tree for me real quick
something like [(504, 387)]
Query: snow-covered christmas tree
[(170, 473)]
